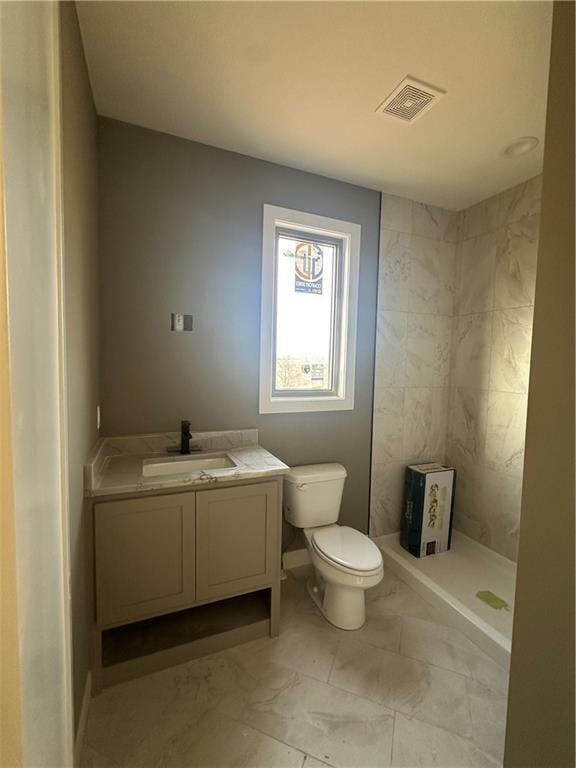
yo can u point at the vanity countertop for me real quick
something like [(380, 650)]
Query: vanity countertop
[(116, 464)]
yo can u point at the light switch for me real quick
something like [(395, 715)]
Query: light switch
[(179, 322)]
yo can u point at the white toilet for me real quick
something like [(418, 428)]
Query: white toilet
[(346, 562)]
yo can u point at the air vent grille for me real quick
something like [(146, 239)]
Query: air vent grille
[(410, 100)]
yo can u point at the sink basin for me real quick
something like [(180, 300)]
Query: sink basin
[(177, 465)]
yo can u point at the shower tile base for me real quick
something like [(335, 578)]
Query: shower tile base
[(451, 581)]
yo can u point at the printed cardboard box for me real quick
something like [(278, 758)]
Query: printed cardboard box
[(428, 508)]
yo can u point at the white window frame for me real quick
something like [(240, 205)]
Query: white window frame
[(349, 233)]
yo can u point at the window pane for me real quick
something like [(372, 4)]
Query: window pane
[(305, 309)]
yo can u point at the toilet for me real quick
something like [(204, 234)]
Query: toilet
[(346, 562)]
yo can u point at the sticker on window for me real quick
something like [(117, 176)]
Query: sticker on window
[(308, 268)]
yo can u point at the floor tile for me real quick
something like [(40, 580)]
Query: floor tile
[(488, 712), (419, 745), (307, 643), (393, 595), (406, 678), (217, 741), (450, 649), (332, 725), (403, 684), (123, 719), (311, 762)]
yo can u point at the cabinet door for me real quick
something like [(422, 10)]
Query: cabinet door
[(237, 534), (144, 556)]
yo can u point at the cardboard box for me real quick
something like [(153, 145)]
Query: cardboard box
[(428, 507)]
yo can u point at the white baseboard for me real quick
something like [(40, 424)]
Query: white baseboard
[(87, 695), (295, 559)]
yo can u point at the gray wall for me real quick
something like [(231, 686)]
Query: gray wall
[(181, 230), (80, 240)]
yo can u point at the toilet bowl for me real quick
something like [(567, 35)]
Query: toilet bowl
[(346, 562)]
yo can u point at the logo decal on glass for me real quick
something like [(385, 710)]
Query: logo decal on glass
[(308, 268)]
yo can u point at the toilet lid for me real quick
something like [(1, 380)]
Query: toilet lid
[(348, 547)]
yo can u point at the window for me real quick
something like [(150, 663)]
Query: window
[(309, 303)]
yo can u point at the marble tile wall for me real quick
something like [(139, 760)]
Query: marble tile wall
[(455, 304), (414, 335), (490, 361)]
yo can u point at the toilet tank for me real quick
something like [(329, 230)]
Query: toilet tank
[(312, 494)]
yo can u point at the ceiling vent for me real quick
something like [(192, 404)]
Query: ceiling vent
[(410, 100)]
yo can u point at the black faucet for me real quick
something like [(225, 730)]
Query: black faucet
[(185, 437)]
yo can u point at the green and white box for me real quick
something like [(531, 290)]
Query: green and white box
[(428, 507)]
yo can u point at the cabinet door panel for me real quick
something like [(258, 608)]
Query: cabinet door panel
[(144, 556), (237, 539)]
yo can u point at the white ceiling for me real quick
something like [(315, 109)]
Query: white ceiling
[(297, 83)]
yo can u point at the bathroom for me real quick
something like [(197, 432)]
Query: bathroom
[(222, 434)]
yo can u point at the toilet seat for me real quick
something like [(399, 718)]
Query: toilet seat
[(347, 549)]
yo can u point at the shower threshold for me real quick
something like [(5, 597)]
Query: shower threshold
[(471, 584)]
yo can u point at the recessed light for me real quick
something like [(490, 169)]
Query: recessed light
[(521, 146)]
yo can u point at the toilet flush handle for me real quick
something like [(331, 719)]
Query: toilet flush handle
[(302, 486)]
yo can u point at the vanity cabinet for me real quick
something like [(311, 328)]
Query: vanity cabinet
[(155, 555), (237, 531), (145, 556)]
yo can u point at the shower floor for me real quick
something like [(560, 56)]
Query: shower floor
[(451, 581)]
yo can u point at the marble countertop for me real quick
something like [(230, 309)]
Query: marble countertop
[(115, 466)]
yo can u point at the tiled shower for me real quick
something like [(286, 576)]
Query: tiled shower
[(455, 304)]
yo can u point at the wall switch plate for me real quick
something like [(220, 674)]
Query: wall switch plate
[(179, 322), (98, 418)]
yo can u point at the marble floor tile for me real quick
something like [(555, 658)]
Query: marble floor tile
[(420, 745), (394, 596), (403, 684), (243, 708), (292, 593), (217, 741), (449, 649), (380, 630), (122, 720), (394, 270), (307, 644), (325, 722), (488, 711), (311, 762)]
